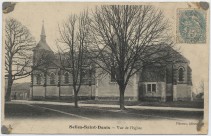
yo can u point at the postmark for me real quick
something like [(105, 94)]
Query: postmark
[(191, 26)]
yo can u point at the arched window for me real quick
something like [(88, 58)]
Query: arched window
[(66, 78), (38, 79), (181, 74), (52, 78)]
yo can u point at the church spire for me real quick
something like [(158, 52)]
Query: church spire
[(42, 44), (43, 36)]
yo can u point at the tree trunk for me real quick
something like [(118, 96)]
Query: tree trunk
[(121, 99), (9, 89), (76, 99), (9, 82)]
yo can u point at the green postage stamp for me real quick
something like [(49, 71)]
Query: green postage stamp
[(191, 26)]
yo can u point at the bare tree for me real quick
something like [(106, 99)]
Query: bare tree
[(74, 58), (128, 38), (200, 87), (18, 53)]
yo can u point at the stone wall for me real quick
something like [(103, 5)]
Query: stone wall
[(110, 90), (52, 91), (169, 91), (38, 91), (184, 92), (65, 91), (87, 91)]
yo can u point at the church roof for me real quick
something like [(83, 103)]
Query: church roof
[(42, 44), (177, 56), (166, 54)]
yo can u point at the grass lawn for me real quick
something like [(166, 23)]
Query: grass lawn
[(57, 100), (185, 104), (22, 111)]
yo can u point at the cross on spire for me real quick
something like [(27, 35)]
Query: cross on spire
[(43, 29), (43, 36)]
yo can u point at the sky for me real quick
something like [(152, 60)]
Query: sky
[(32, 14)]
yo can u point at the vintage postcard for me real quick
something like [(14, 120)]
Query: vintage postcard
[(105, 68)]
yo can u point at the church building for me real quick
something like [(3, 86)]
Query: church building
[(170, 83)]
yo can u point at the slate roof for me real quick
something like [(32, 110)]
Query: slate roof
[(170, 55), (178, 57), (43, 45)]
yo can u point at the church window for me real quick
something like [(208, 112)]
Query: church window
[(38, 79), (151, 87), (52, 78), (181, 74), (66, 78), (113, 74)]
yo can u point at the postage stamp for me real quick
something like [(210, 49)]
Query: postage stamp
[(191, 26)]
